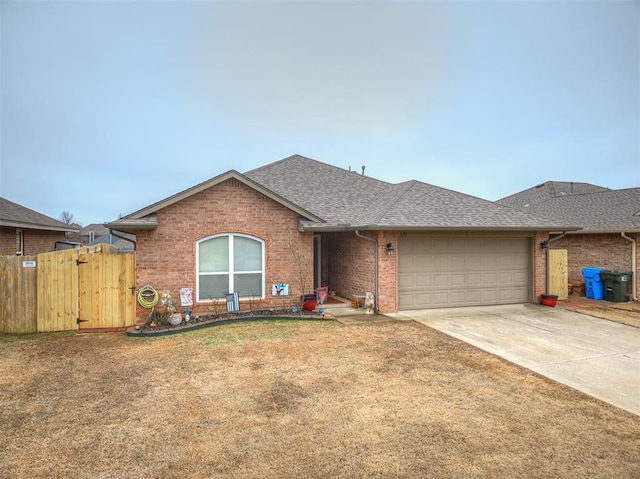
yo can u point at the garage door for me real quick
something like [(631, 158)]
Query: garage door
[(446, 271)]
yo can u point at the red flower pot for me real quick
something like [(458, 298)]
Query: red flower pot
[(549, 300)]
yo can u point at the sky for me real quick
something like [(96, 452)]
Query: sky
[(109, 106)]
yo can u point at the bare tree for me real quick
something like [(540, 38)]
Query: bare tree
[(66, 217)]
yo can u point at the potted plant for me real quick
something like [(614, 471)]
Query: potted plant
[(309, 302)]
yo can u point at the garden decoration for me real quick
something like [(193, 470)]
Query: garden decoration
[(369, 303)]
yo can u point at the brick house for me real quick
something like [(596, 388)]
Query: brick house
[(305, 223), (27, 232), (609, 221)]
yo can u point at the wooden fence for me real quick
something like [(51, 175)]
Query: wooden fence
[(67, 290), (558, 273), (18, 294)]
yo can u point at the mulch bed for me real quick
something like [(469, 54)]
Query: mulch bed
[(205, 321)]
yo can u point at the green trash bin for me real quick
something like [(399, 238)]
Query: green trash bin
[(615, 285)]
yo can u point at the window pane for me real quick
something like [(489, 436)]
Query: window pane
[(247, 254), (248, 284), (19, 241), (214, 255), (213, 286)]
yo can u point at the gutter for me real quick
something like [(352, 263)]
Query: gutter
[(634, 263), (545, 246), (375, 268)]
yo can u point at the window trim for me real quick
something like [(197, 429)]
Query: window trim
[(231, 271), (19, 242)]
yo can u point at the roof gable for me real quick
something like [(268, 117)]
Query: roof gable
[(145, 218)]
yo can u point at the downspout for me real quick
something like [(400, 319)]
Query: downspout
[(634, 263), (375, 268), (115, 233), (545, 247)]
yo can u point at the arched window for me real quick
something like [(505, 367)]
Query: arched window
[(229, 263)]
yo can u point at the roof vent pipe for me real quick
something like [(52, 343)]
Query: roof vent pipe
[(362, 170), (634, 263)]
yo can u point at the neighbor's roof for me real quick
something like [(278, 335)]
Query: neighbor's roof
[(547, 190), (328, 198), (16, 216), (120, 242), (604, 212)]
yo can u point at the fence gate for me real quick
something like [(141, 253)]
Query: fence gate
[(85, 288), (57, 286), (106, 290), (558, 273)]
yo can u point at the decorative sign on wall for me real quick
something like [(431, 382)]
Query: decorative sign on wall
[(280, 290), (186, 296), (321, 295), (28, 264)]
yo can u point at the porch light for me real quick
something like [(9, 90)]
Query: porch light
[(390, 249)]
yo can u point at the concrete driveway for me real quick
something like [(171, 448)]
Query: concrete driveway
[(595, 356)]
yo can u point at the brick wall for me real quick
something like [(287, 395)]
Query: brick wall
[(388, 272), (34, 241), (539, 266), (351, 266), (166, 256), (608, 251)]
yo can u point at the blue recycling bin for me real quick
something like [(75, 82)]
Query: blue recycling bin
[(595, 285)]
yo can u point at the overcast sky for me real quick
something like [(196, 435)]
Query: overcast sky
[(109, 106)]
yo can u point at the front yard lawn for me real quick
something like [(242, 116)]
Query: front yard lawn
[(295, 399)]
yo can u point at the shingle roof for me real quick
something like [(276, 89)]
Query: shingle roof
[(606, 211), (328, 198), (426, 206), (549, 189), (120, 243), (331, 193), (16, 216), (345, 199)]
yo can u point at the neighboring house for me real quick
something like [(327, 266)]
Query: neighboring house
[(304, 223), (610, 222), (547, 190), (123, 242), (92, 232), (27, 232)]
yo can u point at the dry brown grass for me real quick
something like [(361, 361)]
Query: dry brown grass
[(625, 313), (295, 399)]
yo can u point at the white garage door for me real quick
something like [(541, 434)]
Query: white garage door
[(445, 271)]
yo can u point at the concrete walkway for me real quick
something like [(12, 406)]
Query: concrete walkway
[(595, 356)]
